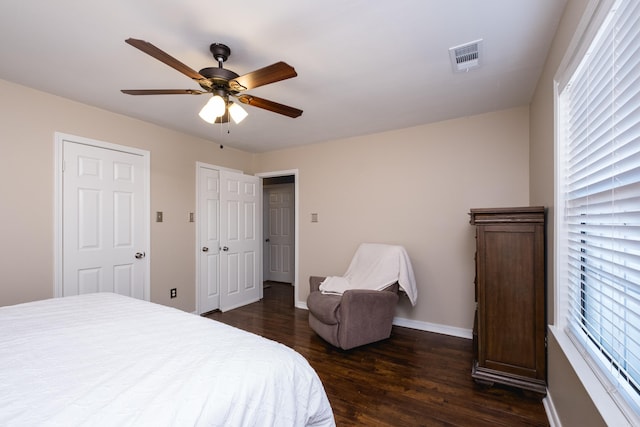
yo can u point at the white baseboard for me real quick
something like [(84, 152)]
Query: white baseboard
[(433, 327), (550, 410)]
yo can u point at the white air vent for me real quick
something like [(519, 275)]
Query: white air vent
[(466, 56)]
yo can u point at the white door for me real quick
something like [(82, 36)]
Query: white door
[(240, 239), (104, 221), (208, 239), (280, 239), (228, 238)]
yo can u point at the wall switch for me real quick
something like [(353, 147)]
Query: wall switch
[(314, 217), (173, 293), (191, 217), (158, 216)]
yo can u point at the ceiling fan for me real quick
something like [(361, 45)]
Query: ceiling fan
[(222, 84)]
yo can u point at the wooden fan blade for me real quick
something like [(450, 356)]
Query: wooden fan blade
[(270, 74), (162, 92), (270, 105), (162, 56)]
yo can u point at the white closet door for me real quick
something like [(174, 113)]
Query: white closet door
[(240, 239), (104, 221), (209, 239)]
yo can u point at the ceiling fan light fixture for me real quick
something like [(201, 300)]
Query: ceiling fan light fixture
[(237, 112), (213, 109)]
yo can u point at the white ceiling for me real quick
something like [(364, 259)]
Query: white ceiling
[(363, 66)]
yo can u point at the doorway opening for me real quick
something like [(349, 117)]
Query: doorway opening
[(280, 229)]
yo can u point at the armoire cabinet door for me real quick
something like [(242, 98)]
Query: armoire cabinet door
[(510, 329)]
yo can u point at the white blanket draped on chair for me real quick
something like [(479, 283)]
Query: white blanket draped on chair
[(375, 266)]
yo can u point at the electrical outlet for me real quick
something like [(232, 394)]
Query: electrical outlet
[(174, 292)]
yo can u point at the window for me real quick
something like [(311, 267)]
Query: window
[(599, 200)]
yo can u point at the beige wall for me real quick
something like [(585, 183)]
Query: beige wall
[(571, 402), (412, 187), (29, 120)]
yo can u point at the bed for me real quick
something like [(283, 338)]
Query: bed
[(107, 359)]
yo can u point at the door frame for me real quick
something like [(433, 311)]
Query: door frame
[(296, 186), (59, 139)]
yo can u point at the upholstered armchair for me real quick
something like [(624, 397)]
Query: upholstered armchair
[(355, 318)]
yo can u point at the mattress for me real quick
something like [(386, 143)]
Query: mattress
[(107, 359)]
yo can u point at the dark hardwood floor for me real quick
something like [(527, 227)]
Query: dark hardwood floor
[(415, 378)]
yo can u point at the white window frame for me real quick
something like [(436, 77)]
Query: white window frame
[(613, 409)]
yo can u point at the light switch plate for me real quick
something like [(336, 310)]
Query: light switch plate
[(159, 216)]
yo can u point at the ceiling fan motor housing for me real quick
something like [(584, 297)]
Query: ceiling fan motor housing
[(219, 77)]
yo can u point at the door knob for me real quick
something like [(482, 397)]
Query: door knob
[(267, 240), (140, 255), (205, 249), (224, 248)]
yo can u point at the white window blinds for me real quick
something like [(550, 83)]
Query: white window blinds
[(600, 121)]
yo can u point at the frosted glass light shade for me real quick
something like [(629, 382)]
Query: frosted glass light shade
[(213, 109), (237, 112)]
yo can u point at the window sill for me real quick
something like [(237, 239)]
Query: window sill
[(602, 400)]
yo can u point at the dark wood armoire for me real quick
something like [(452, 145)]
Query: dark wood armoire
[(509, 333)]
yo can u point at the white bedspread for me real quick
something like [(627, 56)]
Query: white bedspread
[(105, 359), (375, 266)]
